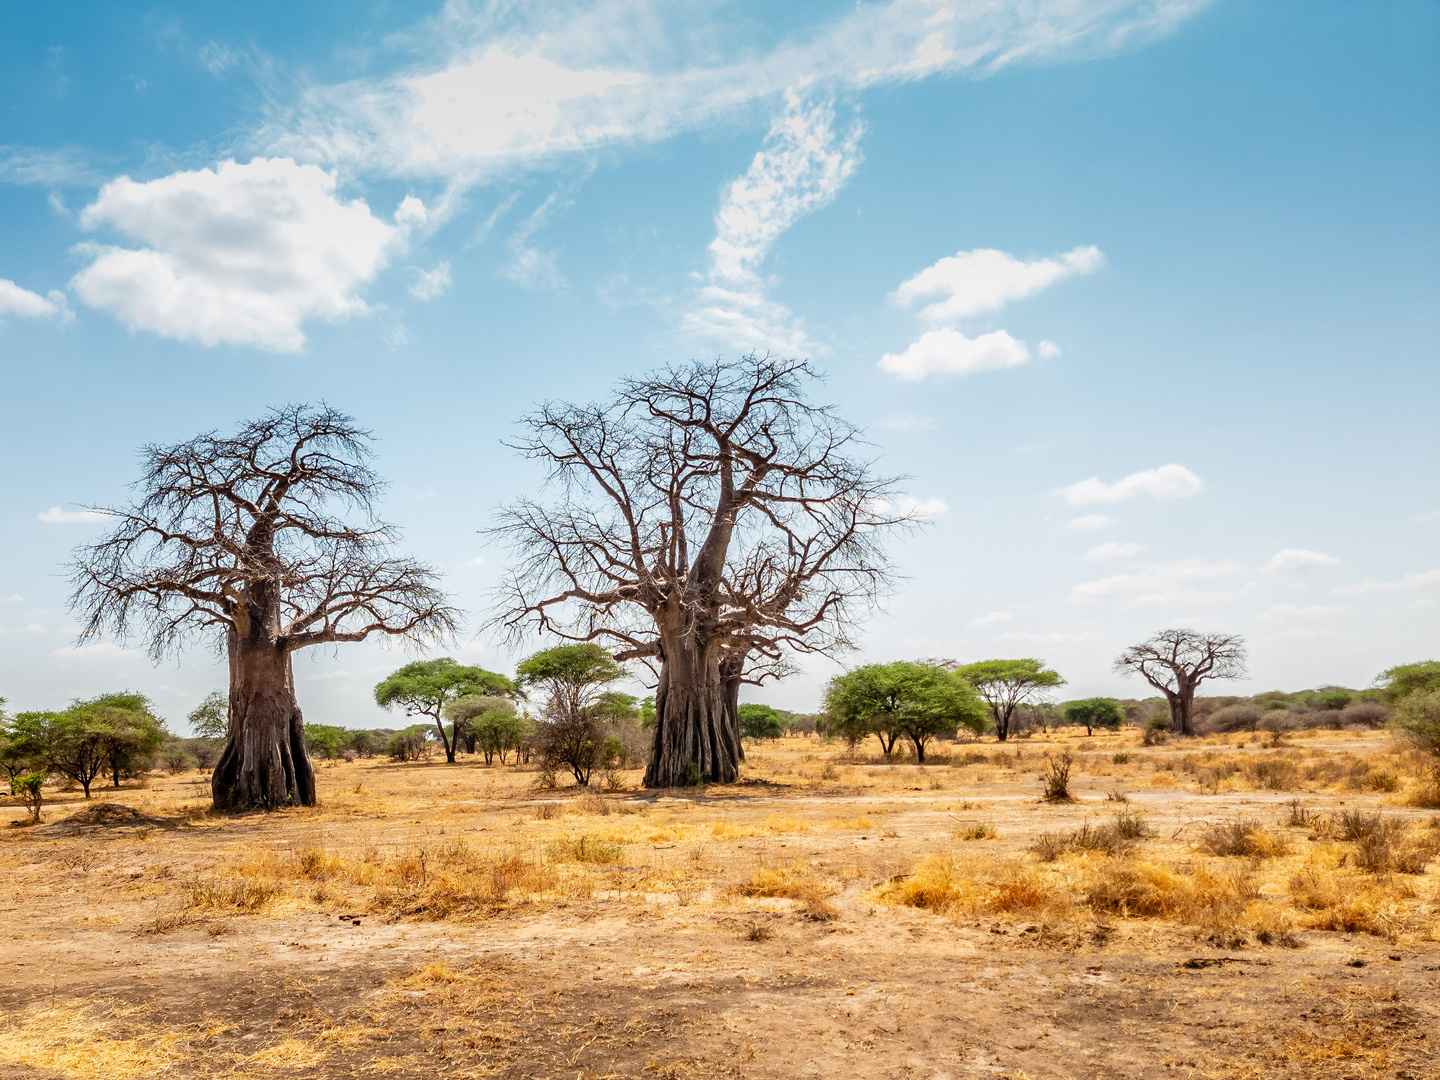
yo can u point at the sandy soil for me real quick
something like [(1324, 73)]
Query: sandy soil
[(656, 964)]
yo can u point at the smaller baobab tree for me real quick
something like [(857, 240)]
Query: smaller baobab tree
[(264, 543), (1176, 662)]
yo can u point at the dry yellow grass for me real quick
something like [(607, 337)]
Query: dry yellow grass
[(89, 1041)]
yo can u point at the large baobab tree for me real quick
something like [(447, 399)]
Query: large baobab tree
[(710, 521), (265, 542), (1175, 662)]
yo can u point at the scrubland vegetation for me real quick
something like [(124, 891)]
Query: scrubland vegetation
[(839, 910)]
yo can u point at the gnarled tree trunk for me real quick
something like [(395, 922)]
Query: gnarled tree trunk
[(264, 764), (694, 723)]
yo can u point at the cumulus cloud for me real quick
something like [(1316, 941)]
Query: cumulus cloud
[(1161, 584), (1113, 550), (801, 168), (238, 255), (57, 516), (1404, 584), (18, 303), (429, 284), (1090, 522), (949, 352), (1298, 559), (994, 618), (1166, 482), (970, 283)]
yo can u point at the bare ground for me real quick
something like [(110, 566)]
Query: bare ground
[(122, 962)]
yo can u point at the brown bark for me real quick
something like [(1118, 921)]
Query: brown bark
[(694, 727), (264, 764)]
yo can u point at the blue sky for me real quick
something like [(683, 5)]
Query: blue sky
[(1142, 296)]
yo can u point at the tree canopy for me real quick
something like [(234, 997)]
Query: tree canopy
[(211, 718), (915, 700), (1176, 662), (1402, 680), (1091, 713), (425, 687), (1007, 684), (760, 722)]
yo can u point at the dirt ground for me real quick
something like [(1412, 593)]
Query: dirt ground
[(832, 915)]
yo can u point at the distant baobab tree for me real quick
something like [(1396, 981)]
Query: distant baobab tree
[(710, 521), (263, 542), (1175, 662)]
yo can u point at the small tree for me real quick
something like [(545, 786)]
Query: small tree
[(1403, 680), (15, 757), (409, 744), (1176, 662), (917, 701), (760, 722), (130, 733), (364, 743), (1417, 720), (326, 741), (211, 718), (425, 687), (70, 743), (1007, 684), (573, 678), (27, 787), (1094, 712)]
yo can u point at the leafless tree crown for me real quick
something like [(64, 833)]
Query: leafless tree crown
[(1174, 660), (711, 497), (285, 507)]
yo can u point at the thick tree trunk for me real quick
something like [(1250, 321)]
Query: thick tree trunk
[(1181, 704), (696, 733), (264, 764)]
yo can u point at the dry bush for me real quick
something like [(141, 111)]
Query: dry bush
[(1210, 898), (246, 896), (584, 849), (591, 803), (975, 830), (1300, 816), (1333, 900), (1057, 777), (1120, 758), (1246, 838), (1273, 773), (795, 882), (1114, 837), (949, 886), (860, 822), (547, 811)]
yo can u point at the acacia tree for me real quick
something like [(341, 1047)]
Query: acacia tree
[(1176, 662), (711, 522), (917, 701), (264, 542), (1094, 712), (1007, 684), (426, 687)]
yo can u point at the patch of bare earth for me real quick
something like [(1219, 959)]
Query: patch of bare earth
[(831, 917)]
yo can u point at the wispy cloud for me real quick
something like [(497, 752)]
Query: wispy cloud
[(1053, 637), (1162, 584), (910, 423), (1291, 559), (429, 284), (1282, 614), (994, 618), (56, 516), (1166, 482), (97, 651), (1409, 581), (802, 167)]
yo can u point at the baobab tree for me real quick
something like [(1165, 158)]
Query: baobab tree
[(1175, 662), (263, 542), (710, 522)]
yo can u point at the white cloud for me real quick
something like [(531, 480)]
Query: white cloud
[(238, 255), (970, 283), (994, 618), (801, 169), (1431, 515), (909, 506), (429, 284), (14, 598), (57, 516), (541, 81), (99, 651), (1298, 559), (1113, 550), (1090, 522), (1161, 584), (1166, 482), (478, 560), (1423, 604), (1292, 613), (1409, 581), (36, 628), (1047, 350), (949, 352), (910, 423), (19, 303)]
